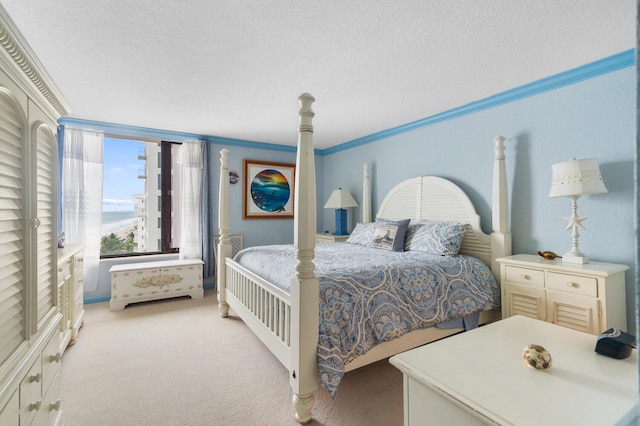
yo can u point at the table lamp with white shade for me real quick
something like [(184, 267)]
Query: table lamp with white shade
[(573, 179), (340, 200)]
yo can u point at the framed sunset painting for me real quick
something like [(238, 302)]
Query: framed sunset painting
[(268, 190)]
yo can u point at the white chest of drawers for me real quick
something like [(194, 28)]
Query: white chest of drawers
[(589, 297), (70, 292)]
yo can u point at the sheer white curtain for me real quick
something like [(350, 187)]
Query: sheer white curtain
[(190, 184), (82, 196)]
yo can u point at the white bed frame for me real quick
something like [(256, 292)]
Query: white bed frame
[(288, 323)]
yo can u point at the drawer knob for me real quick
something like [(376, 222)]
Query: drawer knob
[(54, 406), (571, 284), (55, 358), (35, 378), (35, 406), (525, 276)]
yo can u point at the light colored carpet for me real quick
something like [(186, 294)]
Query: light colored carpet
[(177, 362)]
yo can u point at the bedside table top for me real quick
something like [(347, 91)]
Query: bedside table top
[(528, 260), (332, 237)]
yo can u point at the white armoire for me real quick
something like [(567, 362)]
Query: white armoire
[(30, 318)]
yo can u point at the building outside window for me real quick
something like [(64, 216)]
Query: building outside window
[(138, 197)]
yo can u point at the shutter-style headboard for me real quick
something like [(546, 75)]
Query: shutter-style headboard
[(435, 198)]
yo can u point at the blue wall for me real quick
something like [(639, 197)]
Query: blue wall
[(594, 117), (256, 231), (586, 112)]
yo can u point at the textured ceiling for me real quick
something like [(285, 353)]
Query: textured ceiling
[(235, 68)]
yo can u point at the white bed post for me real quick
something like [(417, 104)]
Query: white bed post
[(224, 243), (366, 194), (500, 235), (303, 373)]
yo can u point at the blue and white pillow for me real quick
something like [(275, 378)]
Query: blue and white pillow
[(389, 234), (441, 238), (411, 230), (362, 234)]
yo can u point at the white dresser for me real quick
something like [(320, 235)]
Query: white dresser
[(479, 377), (589, 297), (70, 293)]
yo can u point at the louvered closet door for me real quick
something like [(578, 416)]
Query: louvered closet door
[(12, 230), (45, 221)]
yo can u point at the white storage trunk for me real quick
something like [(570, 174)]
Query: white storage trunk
[(140, 282)]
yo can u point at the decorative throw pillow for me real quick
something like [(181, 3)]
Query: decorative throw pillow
[(441, 238), (411, 230), (389, 234), (362, 234)]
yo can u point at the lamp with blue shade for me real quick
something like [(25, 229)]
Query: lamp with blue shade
[(340, 200)]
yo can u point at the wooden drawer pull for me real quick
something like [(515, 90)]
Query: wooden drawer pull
[(525, 276), (35, 378), (55, 358), (54, 406), (35, 406), (572, 284)]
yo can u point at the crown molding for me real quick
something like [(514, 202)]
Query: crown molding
[(135, 132), (597, 68), (26, 68)]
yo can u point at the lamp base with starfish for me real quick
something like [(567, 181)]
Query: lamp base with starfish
[(575, 223)]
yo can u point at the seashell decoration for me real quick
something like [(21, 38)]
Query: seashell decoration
[(549, 255), (536, 356)]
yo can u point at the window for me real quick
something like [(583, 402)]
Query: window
[(137, 196)]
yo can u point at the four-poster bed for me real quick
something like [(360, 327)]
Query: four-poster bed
[(287, 317)]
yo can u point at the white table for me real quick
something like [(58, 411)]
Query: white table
[(479, 377)]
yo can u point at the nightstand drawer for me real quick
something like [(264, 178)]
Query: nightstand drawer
[(526, 276), (573, 284)]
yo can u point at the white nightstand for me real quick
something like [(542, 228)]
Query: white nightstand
[(589, 297), (330, 238)]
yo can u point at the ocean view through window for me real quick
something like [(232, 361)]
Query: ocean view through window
[(117, 221), (137, 203)]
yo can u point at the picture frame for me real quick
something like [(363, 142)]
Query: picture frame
[(268, 190)]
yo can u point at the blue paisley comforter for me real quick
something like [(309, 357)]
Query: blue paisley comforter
[(369, 295)]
